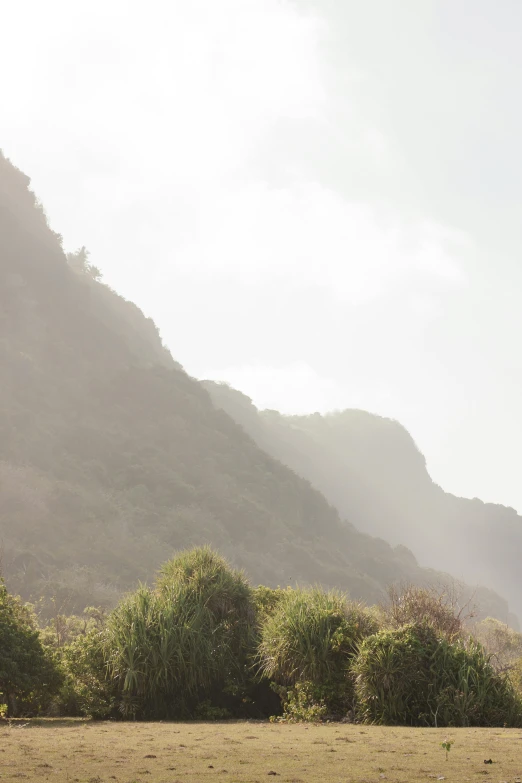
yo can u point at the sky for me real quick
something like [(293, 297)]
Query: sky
[(317, 201)]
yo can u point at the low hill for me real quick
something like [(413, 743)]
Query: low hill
[(371, 470), (111, 456)]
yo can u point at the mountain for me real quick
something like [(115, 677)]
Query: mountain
[(371, 470), (112, 457)]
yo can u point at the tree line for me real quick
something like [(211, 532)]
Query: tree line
[(202, 643)]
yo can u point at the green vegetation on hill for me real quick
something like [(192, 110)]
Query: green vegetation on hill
[(371, 470), (111, 456)]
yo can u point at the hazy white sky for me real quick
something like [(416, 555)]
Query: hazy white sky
[(317, 201)]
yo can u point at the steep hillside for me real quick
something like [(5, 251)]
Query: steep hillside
[(111, 456), (370, 468)]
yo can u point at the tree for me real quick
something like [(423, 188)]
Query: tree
[(27, 671), (437, 606), (502, 643), (79, 261), (87, 690)]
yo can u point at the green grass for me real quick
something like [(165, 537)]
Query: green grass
[(245, 752)]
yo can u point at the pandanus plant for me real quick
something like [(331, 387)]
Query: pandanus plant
[(167, 648), (309, 641)]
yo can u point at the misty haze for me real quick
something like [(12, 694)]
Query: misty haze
[(260, 377)]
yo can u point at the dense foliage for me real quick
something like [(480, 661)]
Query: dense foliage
[(307, 645), (416, 676), (86, 688), (28, 673), (186, 643), (162, 652), (202, 643)]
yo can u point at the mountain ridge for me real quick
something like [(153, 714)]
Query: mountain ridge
[(112, 457), (370, 468)]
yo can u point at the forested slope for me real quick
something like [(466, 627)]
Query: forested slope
[(372, 471), (112, 457)]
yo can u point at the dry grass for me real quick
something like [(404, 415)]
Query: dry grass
[(84, 752)]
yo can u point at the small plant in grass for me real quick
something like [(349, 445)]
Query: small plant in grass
[(208, 711), (302, 702), (446, 745)]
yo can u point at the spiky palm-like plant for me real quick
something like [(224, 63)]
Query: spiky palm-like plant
[(415, 675), (185, 641), (160, 652), (309, 640), (211, 580), (226, 594)]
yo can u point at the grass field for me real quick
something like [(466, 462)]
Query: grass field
[(85, 752)]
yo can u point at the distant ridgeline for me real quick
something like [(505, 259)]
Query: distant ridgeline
[(370, 469), (112, 457)]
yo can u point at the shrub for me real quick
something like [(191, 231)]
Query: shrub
[(87, 689), (303, 702), (502, 643), (204, 576), (309, 641), (210, 580), (160, 653), (29, 674), (188, 641), (515, 675), (416, 676), (62, 629), (266, 600)]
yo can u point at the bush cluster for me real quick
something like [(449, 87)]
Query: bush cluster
[(202, 643), (414, 675), (306, 647)]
